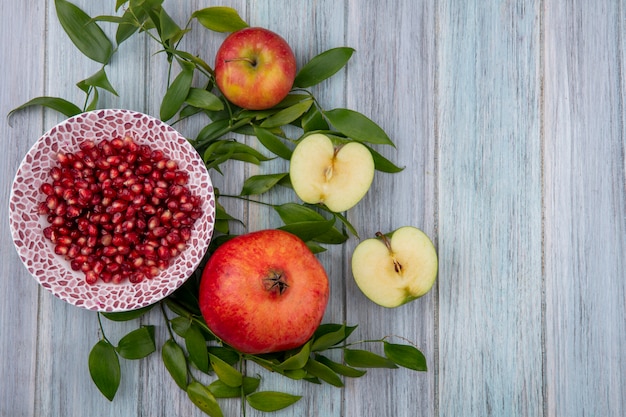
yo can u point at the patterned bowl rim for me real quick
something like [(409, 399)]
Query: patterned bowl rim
[(26, 224)]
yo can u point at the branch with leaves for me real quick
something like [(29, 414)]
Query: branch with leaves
[(191, 352)]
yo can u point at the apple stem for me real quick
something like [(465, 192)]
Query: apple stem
[(396, 265)]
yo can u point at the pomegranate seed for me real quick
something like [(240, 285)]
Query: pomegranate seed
[(106, 277), (52, 202), (117, 210), (109, 251), (185, 233), (61, 249), (47, 189), (91, 277), (72, 212), (181, 177), (144, 169), (160, 231), (42, 208)]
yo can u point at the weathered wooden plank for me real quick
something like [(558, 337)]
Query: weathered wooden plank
[(22, 80), (391, 79), (489, 187), (585, 202)]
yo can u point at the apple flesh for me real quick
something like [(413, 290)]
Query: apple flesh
[(263, 292), (337, 176), (255, 68), (393, 271)]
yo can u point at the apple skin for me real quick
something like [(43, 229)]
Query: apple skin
[(394, 271), (240, 295), (337, 176), (255, 68)]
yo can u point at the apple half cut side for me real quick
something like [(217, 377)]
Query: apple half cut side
[(393, 271), (337, 176)]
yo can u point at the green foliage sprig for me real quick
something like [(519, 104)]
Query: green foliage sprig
[(191, 350)]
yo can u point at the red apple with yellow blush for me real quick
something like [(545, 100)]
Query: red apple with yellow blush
[(255, 68), (263, 292)]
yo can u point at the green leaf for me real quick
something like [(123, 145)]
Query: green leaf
[(298, 360), (104, 368), (128, 315), (313, 120), (272, 142), (323, 372), (322, 66), (315, 247), (212, 131), (221, 390), (55, 103), (383, 164), (308, 230), (288, 115), (176, 93), (175, 362), (346, 223), (327, 328), (365, 359), (294, 213), (137, 344), (226, 373), (99, 79), (197, 347), (119, 3), (357, 126), (259, 184), (94, 100), (202, 397), (220, 19), (226, 354), (170, 31), (84, 32), (406, 356), (326, 340), (271, 400), (191, 58), (126, 28), (204, 99), (340, 368), (180, 325)]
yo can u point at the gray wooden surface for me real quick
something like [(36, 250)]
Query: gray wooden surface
[(510, 119)]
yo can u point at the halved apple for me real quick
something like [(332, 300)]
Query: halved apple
[(393, 271), (337, 176)]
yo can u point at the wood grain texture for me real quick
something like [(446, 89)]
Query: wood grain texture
[(509, 119), (391, 80), (489, 185), (585, 203), (18, 291)]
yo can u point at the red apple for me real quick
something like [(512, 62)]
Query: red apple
[(263, 292), (255, 68)]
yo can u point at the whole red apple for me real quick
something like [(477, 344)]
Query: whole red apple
[(255, 68), (263, 292)]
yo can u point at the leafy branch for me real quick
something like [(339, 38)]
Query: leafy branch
[(191, 348)]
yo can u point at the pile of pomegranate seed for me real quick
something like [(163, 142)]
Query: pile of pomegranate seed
[(118, 210)]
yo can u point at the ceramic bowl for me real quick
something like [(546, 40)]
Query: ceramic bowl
[(53, 271)]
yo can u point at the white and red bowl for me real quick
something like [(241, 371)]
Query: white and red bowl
[(52, 271)]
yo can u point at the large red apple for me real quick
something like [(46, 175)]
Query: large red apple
[(255, 68), (263, 292)]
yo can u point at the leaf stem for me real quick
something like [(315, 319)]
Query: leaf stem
[(240, 197), (167, 321), (102, 329)]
